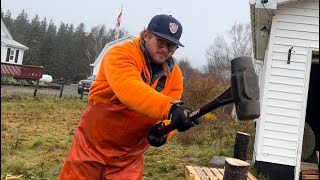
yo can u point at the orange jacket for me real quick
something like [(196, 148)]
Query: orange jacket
[(119, 81)]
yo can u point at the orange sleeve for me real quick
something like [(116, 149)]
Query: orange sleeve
[(120, 67)]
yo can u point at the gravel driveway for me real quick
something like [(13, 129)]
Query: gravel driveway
[(69, 91)]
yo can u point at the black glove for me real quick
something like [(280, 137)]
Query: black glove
[(153, 136), (179, 115)]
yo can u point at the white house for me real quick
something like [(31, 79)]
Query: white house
[(11, 51), (96, 64), (285, 36)]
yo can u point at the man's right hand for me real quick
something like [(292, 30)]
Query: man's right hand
[(180, 118), (154, 138)]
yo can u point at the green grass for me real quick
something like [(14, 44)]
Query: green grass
[(36, 134)]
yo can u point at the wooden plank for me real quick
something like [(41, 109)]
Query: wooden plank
[(201, 173), (310, 172), (209, 173), (251, 177), (307, 177), (191, 173), (217, 173), (308, 166), (221, 171)]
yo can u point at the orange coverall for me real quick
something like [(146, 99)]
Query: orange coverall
[(110, 140)]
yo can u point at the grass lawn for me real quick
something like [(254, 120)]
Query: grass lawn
[(36, 134)]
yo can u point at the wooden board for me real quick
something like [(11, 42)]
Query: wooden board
[(308, 166), (310, 174), (207, 173), (309, 177)]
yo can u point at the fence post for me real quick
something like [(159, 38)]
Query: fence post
[(36, 88), (82, 93), (62, 86)]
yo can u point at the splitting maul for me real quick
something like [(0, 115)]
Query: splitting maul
[(243, 92)]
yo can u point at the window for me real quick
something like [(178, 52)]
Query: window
[(11, 55), (8, 54), (17, 55)]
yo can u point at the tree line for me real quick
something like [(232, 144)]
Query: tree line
[(65, 51)]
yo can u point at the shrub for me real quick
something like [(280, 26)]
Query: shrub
[(8, 79)]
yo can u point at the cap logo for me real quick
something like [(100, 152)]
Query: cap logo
[(173, 27)]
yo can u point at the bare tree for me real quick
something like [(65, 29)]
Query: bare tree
[(95, 42), (186, 68), (97, 39), (240, 35), (223, 50), (218, 55)]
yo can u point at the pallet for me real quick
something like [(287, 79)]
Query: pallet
[(309, 174), (207, 173), (310, 171)]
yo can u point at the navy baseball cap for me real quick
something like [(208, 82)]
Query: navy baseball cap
[(167, 27)]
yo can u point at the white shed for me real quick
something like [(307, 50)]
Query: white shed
[(96, 64), (285, 36), (11, 50)]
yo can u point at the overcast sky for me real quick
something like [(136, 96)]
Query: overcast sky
[(202, 20)]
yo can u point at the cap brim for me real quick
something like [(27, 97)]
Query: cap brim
[(169, 38)]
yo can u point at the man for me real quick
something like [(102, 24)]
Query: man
[(136, 87)]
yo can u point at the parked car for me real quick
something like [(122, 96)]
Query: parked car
[(85, 84)]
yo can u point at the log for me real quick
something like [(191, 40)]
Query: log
[(235, 169), (241, 146), (309, 142)]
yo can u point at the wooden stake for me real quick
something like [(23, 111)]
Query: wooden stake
[(235, 169), (36, 88), (241, 146)]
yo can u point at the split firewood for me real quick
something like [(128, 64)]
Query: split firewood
[(235, 169), (241, 146)]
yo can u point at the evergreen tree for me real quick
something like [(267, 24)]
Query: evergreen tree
[(33, 41), (43, 27), (65, 52), (60, 51), (67, 63), (47, 55), (21, 27), (7, 20), (80, 62)]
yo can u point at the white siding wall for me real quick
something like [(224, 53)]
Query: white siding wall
[(4, 50), (104, 51), (97, 66), (284, 92), (3, 53), (20, 59)]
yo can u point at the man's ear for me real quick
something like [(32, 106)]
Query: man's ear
[(146, 34)]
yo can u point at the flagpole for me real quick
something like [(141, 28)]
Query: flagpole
[(118, 23)]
